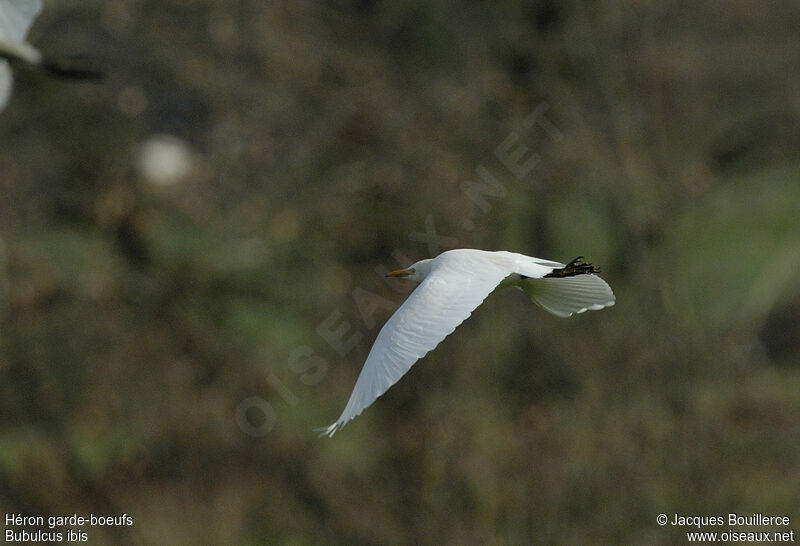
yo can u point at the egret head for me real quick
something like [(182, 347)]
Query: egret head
[(416, 272)]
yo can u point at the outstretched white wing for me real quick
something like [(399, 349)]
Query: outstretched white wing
[(457, 284), (16, 18)]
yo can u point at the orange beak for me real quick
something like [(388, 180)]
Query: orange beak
[(399, 273)]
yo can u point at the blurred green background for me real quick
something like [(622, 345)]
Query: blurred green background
[(174, 241)]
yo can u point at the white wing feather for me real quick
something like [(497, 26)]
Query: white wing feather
[(458, 282), (16, 18), (5, 83)]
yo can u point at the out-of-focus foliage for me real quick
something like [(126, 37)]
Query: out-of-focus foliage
[(157, 308)]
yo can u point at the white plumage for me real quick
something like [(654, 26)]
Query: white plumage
[(16, 18), (452, 285)]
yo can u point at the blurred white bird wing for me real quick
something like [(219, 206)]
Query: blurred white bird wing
[(458, 282), (5, 83), (16, 18)]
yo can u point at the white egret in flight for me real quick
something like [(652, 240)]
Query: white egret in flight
[(16, 18), (451, 286)]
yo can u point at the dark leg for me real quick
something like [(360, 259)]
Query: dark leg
[(575, 267)]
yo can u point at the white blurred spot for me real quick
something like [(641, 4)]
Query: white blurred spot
[(165, 160)]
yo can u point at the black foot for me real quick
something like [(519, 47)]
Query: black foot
[(575, 267)]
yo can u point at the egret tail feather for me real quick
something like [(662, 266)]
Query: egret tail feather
[(564, 296)]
